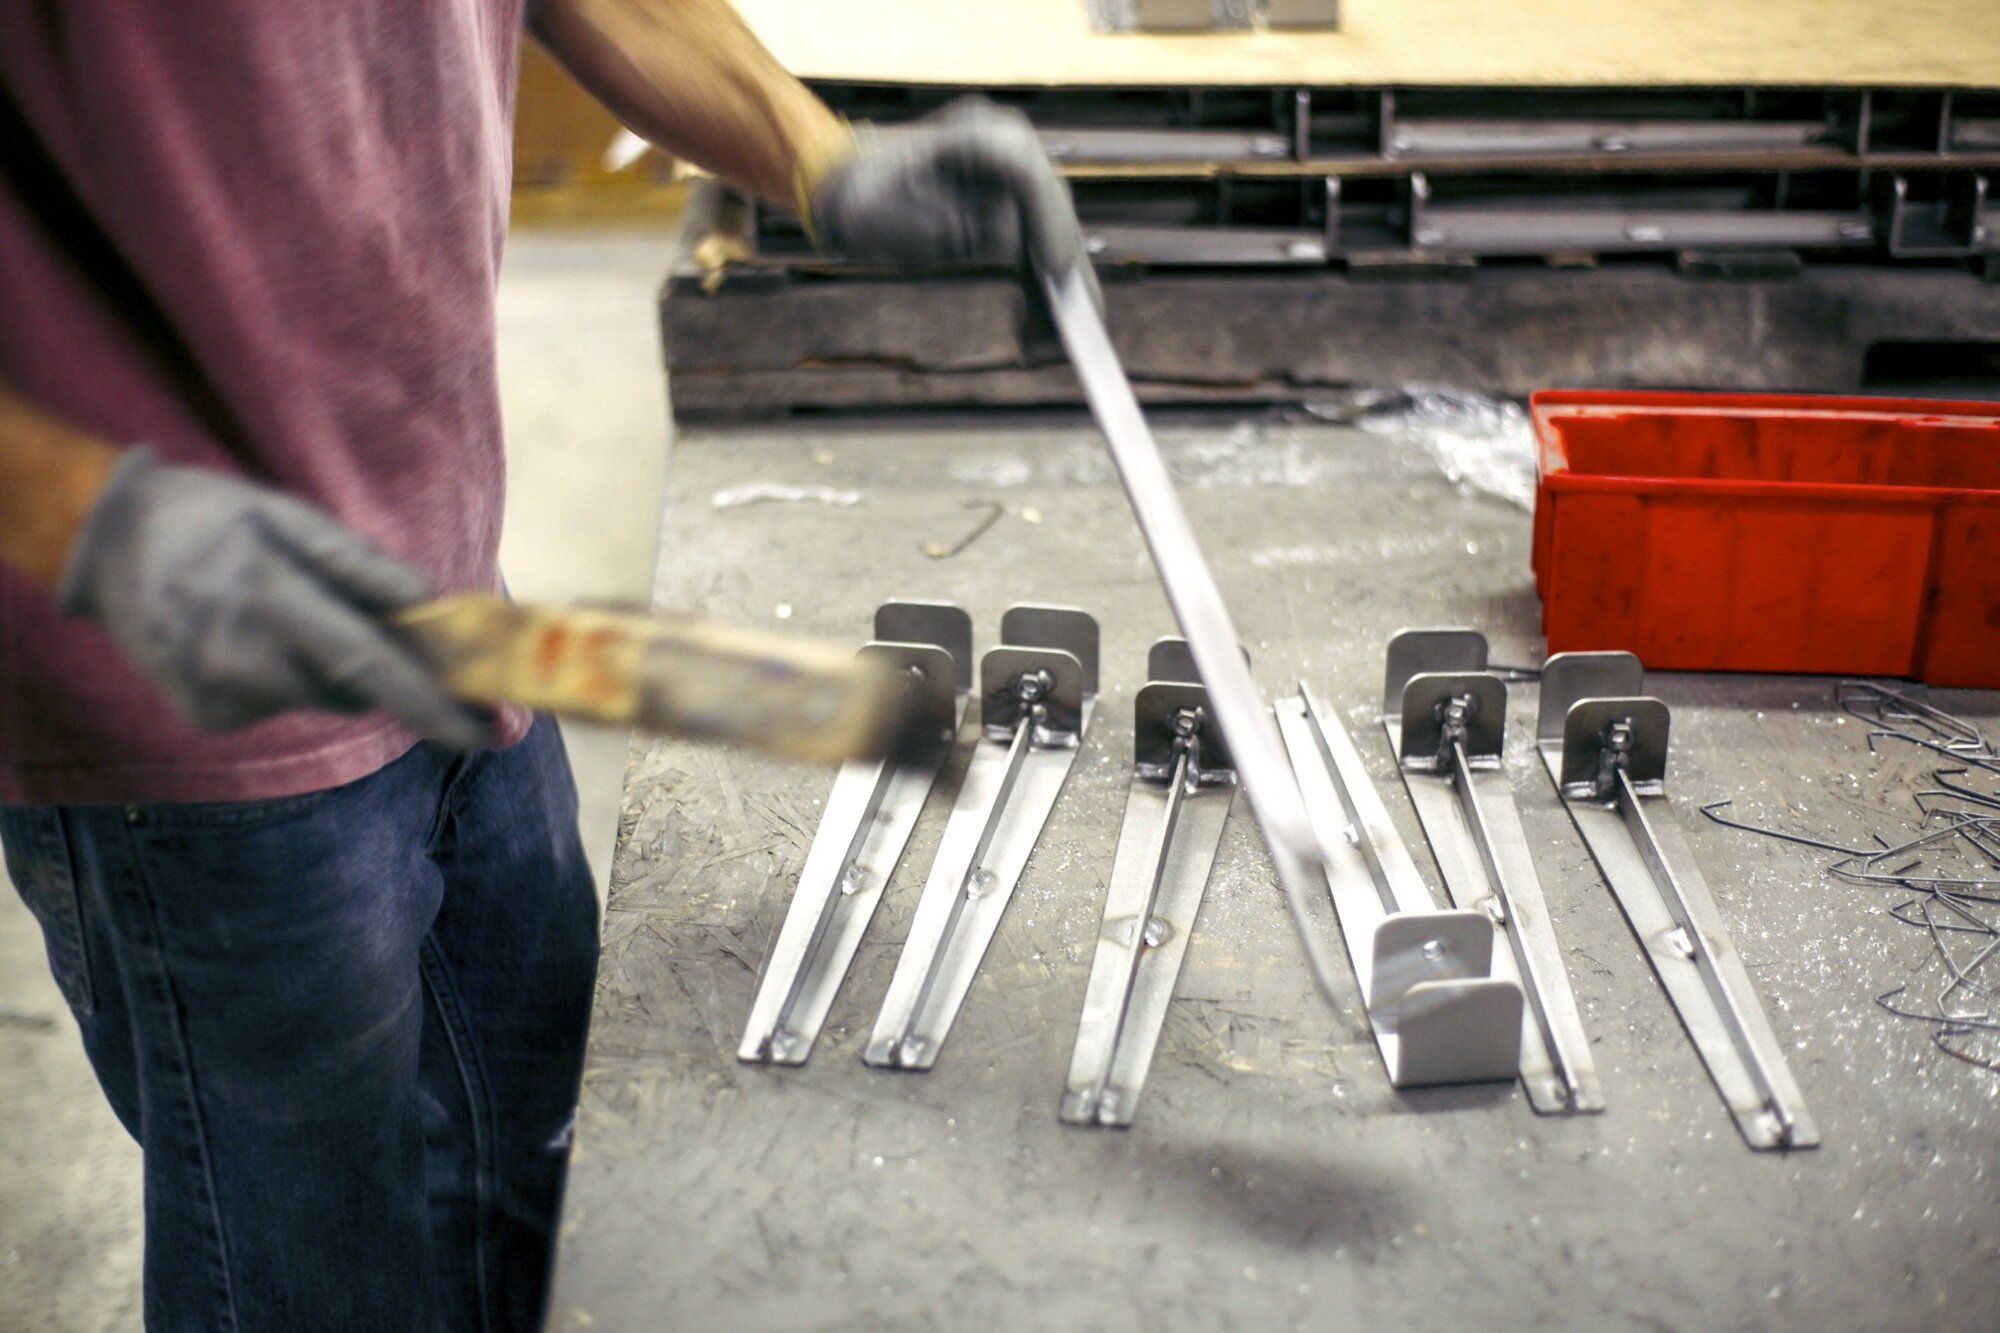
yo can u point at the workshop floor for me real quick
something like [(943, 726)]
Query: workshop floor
[(587, 433), (1273, 1179)]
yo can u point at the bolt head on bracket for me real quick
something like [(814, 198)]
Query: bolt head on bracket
[(1154, 739), (1427, 699), (1584, 770), (1059, 699)]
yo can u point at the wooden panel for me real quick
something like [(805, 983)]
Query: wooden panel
[(765, 345), (1411, 42)]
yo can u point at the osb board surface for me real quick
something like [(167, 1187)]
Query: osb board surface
[(1413, 42), (1274, 1180)]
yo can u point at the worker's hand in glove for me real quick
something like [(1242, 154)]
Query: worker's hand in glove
[(239, 603), (969, 184)]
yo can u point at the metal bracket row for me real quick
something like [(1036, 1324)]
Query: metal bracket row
[(1446, 719), (1439, 1012), (1526, 228), (1037, 694), (1183, 785), (866, 824), (1605, 747)]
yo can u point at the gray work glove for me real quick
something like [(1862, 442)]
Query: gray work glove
[(239, 603), (969, 184)]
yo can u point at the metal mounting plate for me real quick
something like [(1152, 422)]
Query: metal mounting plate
[(866, 824), (1583, 745), (1170, 658), (1018, 768), (937, 700), (1419, 737), (1414, 652), (1154, 740), (1174, 817), (1064, 627), (1437, 1014), (1466, 805), (1659, 887), (1001, 709), (1568, 677), (939, 624)]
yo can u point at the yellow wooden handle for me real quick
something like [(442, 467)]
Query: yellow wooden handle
[(678, 675)]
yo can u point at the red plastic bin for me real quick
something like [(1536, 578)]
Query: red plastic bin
[(1772, 532)]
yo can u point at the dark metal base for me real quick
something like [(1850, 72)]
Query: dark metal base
[(770, 342)]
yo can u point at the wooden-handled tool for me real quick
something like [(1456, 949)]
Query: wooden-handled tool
[(683, 676)]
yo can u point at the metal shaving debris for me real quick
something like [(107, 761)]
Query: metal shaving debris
[(1951, 869), (758, 492)]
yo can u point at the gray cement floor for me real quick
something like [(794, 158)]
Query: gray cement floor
[(587, 435)]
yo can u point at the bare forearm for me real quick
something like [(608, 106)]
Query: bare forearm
[(50, 476), (691, 77)]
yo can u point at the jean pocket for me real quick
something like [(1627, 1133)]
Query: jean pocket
[(39, 862)]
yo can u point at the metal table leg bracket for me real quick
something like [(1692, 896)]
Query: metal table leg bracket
[(1269, 786), (1037, 694), (1605, 747), (1448, 728), (862, 832), (1183, 785), (1438, 1013)]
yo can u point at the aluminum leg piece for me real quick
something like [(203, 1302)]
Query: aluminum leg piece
[(1605, 747), (1183, 785), (1037, 694), (1439, 1013), (867, 822), (1297, 847), (1447, 729)]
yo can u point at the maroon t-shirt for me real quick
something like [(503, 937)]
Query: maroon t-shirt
[(262, 238)]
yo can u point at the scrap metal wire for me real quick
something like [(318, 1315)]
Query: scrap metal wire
[(1951, 867), (1893, 714)]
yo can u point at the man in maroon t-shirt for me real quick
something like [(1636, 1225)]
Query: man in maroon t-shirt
[(327, 933)]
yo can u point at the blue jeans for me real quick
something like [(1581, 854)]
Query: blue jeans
[(346, 1028)]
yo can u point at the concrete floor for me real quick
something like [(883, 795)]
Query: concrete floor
[(587, 433), (1273, 1178)]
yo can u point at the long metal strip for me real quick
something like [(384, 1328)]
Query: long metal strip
[(1269, 784), (1166, 850), (867, 822), (1438, 1013), (1605, 748), (1557, 1068), (1036, 706), (1448, 730)]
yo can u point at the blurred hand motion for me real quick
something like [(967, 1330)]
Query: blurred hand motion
[(970, 184), (240, 603)]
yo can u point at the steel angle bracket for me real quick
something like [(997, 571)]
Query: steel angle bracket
[(1605, 747), (1447, 722), (1183, 785), (862, 832), (1439, 1013), (1037, 693)]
